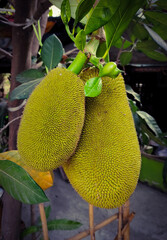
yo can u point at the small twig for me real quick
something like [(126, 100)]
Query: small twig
[(14, 109), (7, 10), (2, 129), (25, 25), (44, 221), (7, 54)]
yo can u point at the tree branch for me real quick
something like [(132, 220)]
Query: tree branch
[(43, 5), (7, 54)]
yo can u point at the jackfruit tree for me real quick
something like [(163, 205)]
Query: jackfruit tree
[(77, 114)]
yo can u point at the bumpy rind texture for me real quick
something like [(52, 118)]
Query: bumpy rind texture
[(105, 167), (52, 121)]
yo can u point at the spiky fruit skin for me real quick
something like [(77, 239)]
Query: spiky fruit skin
[(52, 121), (105, 167)]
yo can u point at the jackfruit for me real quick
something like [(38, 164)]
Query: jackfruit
[(52, 121), (105, 167)]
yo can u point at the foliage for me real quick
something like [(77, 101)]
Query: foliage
[(143, 21), (56, 224)]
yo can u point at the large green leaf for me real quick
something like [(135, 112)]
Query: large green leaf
[(120, 20), (18, 183), (157, 16), (52, 52), (101, 14), (24, 90), (29, 75)]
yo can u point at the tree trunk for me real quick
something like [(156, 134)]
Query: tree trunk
[(21, 43)]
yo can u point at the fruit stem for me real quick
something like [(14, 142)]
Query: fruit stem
[(78, 63)]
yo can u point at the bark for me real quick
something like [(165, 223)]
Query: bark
[(22, 44)]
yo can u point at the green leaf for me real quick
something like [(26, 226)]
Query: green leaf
[(92, 46), (84, 6), (120, 20), (161, 30), (156, 38), (47, 213), (73, 5), (29, 75), (132, 92), (80, 40), (139, 31), (18, 183), (24, 90), (30, 230), (63, 224), (52, 52), (125, 58), (93, 87), (149, 45), (157, 16), (162, 4), (156, 55), (65, 11), (101, 14), (121, 41), (150, 121)]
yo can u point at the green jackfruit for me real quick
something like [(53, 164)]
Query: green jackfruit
[(105, 167), (52, 121)]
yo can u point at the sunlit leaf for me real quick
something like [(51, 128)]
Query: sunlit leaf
[(52, 52), (29, 75), (80, 40), (19, 184), (93, 87), (73, 5), (65, 11), (43, 179), (120, 20), (101, 14)]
